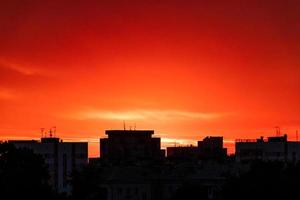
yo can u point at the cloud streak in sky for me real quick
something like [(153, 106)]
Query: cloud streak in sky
[(16, 67), (148, 114)]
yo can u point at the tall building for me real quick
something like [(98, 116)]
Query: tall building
[(270, 149), (62, 158), (123, 145)]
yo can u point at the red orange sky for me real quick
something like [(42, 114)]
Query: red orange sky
[(186, 69)]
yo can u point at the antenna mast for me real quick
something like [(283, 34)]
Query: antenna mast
[(42, 132), (50, 132), (277, 131), (54, 131)]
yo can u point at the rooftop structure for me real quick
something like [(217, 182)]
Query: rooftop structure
[(210, 148), (123, 145)]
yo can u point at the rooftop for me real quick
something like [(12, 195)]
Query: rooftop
[(145, 132)]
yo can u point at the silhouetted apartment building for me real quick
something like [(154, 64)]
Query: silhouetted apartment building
[(270, 149), (123, 145), (183, 152), (211, 147), (61, 157)]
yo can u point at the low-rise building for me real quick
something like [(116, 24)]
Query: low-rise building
[(210, 148), (270, 149), (183, 152)]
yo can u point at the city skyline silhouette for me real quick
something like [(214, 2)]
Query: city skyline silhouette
[(149, 99)]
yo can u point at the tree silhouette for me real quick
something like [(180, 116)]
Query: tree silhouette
[(23, 174)]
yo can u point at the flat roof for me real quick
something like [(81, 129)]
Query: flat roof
[(22, 141), (108, 132)]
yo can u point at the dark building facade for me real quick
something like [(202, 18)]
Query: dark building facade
[(130, 145), (160, 182), (183, 152)]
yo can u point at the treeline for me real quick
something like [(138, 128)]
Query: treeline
[(23, 175)]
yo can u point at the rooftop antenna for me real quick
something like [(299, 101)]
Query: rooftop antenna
[(42, 132), (124, 125), (277, 131), (54, 130), (50, 131)]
